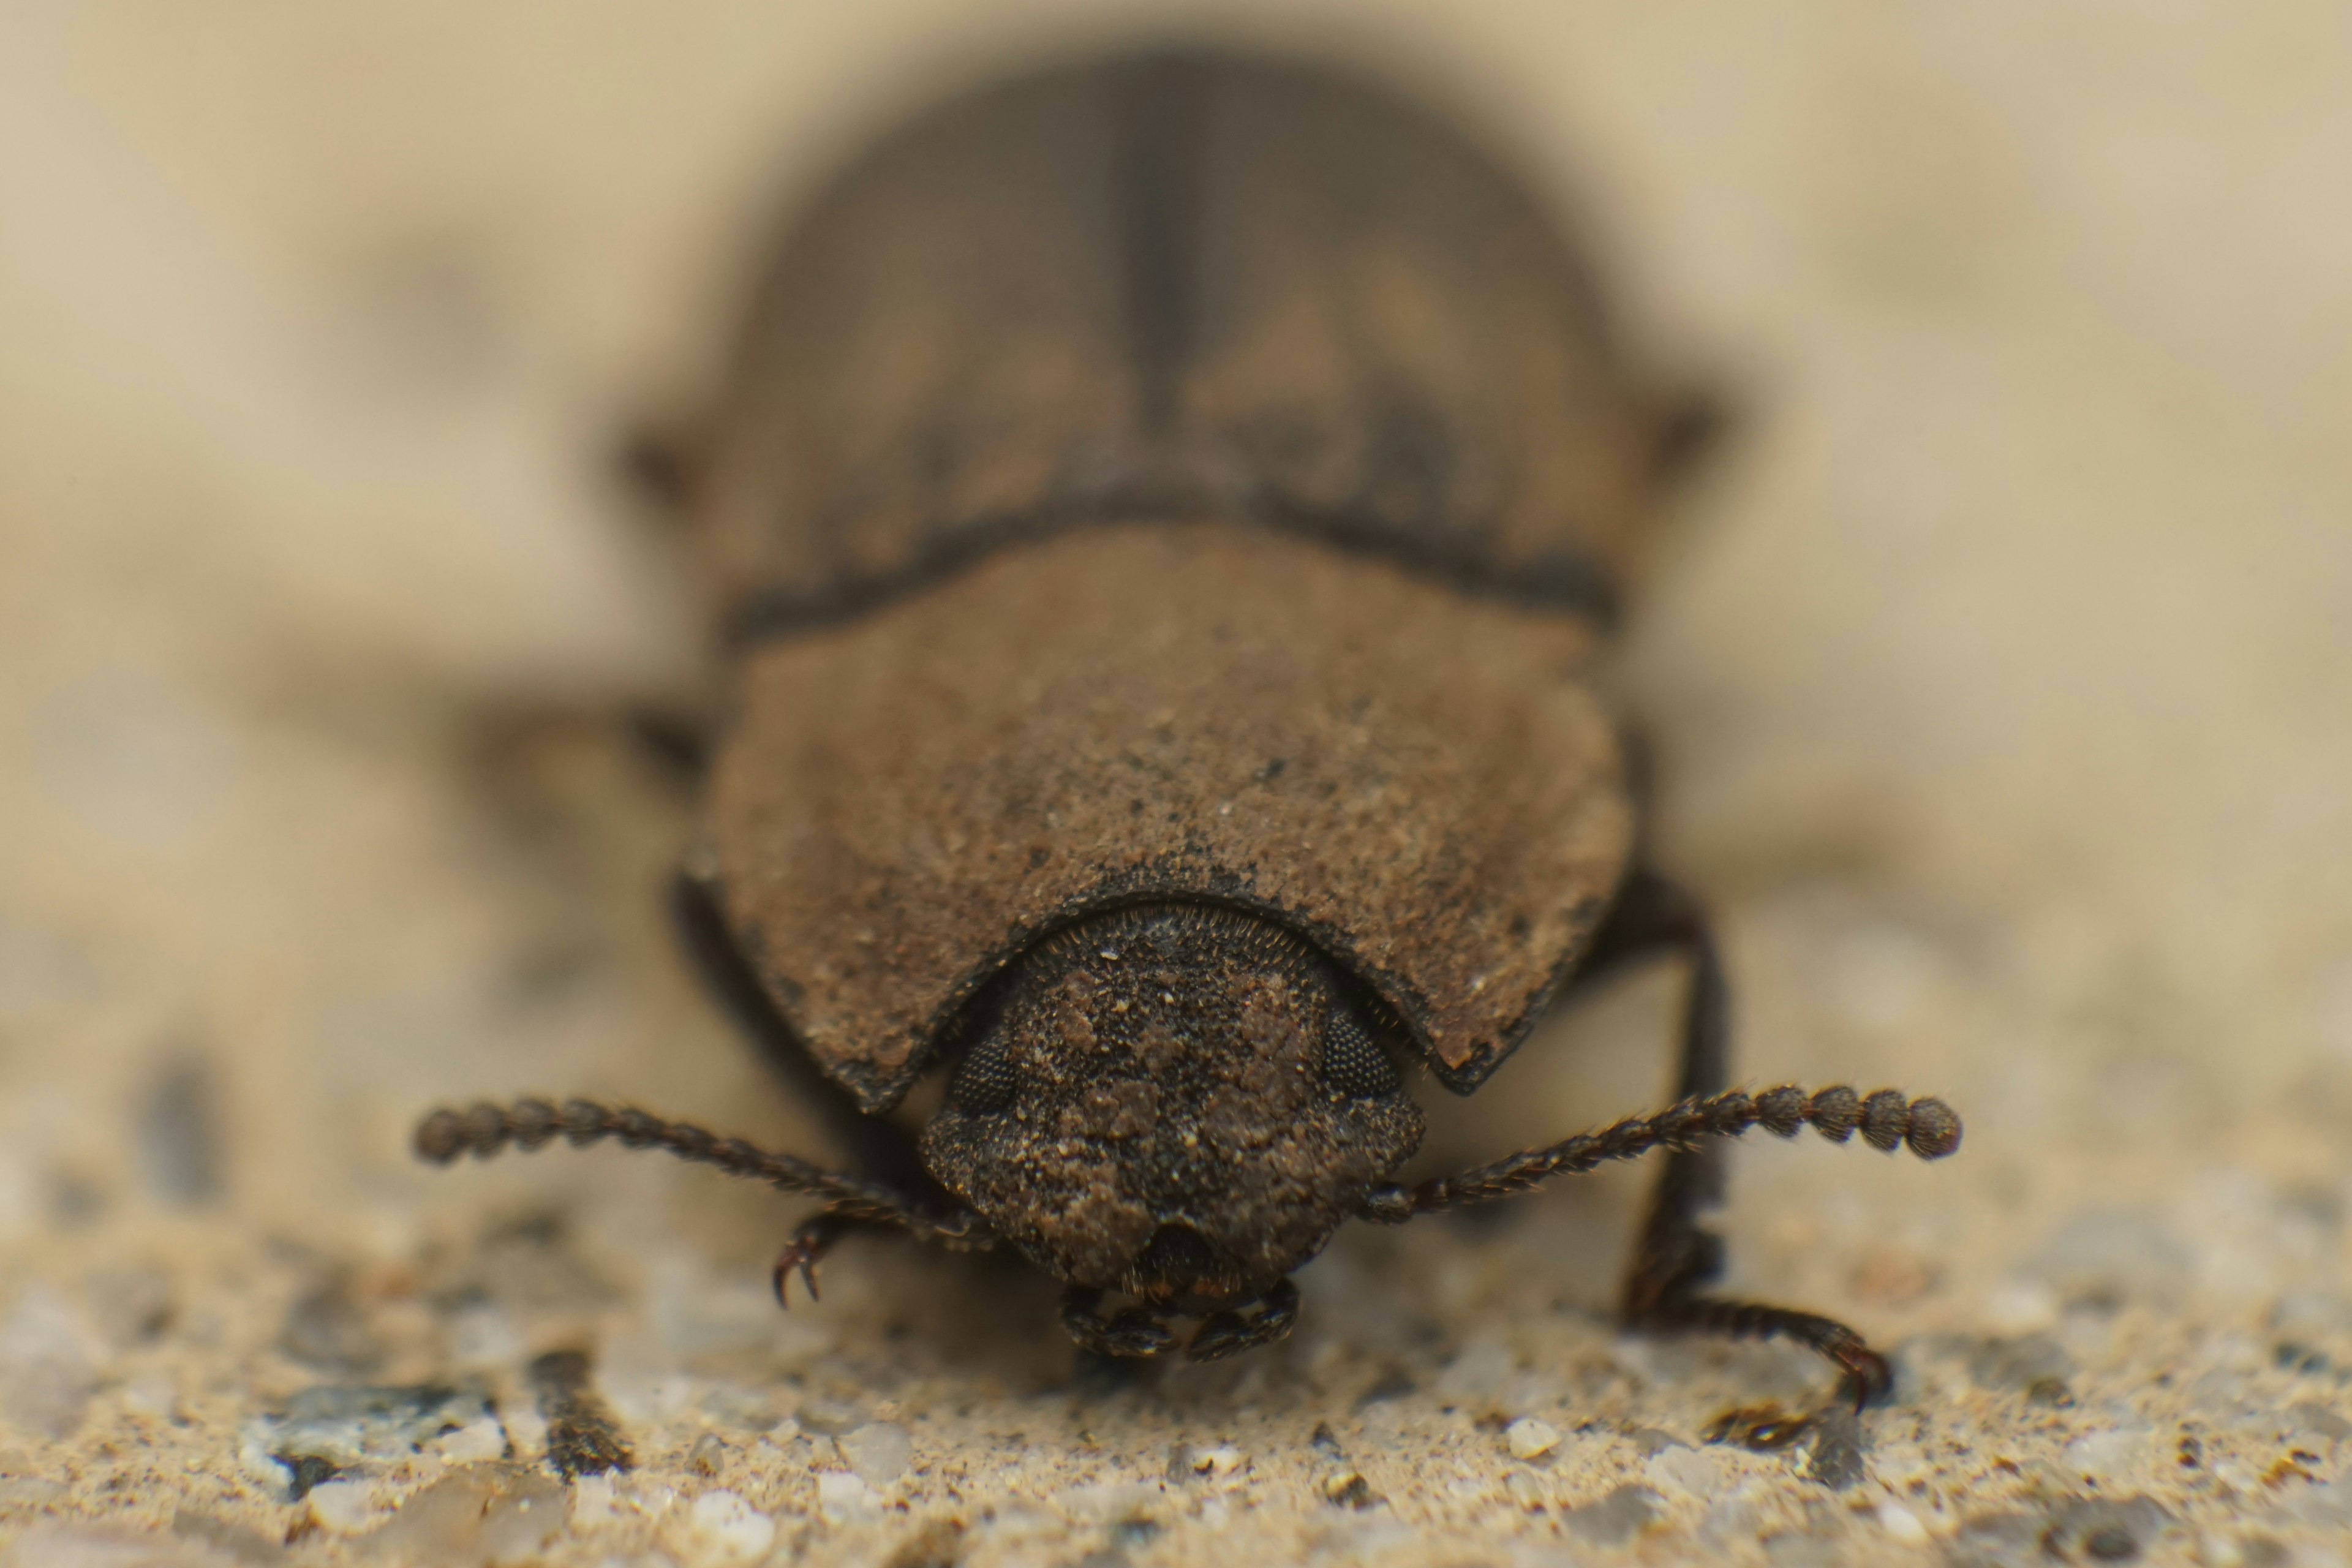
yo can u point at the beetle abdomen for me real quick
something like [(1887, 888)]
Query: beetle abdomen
[(1177, 286)]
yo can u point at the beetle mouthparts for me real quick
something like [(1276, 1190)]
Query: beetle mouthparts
[(1180, 1262)]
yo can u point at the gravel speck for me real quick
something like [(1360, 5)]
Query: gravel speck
[(179, 1134), (2104, 1529), (828, 1418), (1476, 1376), (1802, 1549), (879, 1452), (327, 1330), (728, 1530), (342, 1508), (1695, 1472), (48, 1365), (352, 1424), (1529, 1439), (2107, 1257), (528, 1512), (1732, 1523), (1221, 1460), (594, 1502), (1837, 1445), (1615, 1519), (232, 1541), (472, 1442), (2014, 1365), (2310, 1315), (2104, 1456), (842, 1498), (1995, 1541), (1901, 1525), (474, 1515)]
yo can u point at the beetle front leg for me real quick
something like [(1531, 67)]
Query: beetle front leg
[(1885, 1120), (1142, 1331), (817, 1236), (1228, 1332), (1132, 1334), (1677, 1256)]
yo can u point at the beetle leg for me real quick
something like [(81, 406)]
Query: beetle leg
[(1863, 1374), (1676, 1253), (1228, 1332), (1135, 1333), (820, 1232), (817, 1236), (1141, 1330), (1653, 915), (1662, 1291), (1676, 1256)]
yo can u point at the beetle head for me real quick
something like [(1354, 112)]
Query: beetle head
[(1179, 1102)]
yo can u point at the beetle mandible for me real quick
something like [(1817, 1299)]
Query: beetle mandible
[(1164, 512)]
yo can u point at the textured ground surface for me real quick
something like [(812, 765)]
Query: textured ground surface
[(1999, 678)]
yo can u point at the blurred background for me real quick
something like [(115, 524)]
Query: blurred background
[(1999, 668)]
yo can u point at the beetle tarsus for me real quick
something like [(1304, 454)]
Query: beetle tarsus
[(815, 1238), (1863, 1374), (1229, 1332), (1133, 1334), (1142, 1331), (790, 1261)]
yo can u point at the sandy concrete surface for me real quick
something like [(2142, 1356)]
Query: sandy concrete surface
[(1999, 673)]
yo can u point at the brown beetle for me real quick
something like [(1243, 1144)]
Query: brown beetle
[(1164, 512)]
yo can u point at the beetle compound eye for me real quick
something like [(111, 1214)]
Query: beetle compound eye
[(1353, 1064), (987, 1080)]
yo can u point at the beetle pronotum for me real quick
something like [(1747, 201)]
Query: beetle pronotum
[(1164, 512)]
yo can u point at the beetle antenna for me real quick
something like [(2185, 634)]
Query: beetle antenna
[(484, 1129), (1886, 1121)]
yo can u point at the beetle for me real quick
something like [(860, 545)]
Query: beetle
[(1164, 512)]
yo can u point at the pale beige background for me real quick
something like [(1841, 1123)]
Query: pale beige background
[(2000, 672)]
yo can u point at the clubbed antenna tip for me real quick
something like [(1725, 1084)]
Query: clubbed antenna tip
[(1885, 1120)]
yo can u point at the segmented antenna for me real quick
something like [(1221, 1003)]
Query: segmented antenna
[(484, 1129), (1885, 1120)]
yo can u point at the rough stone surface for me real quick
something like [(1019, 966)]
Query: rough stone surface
[(1995, 682)]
